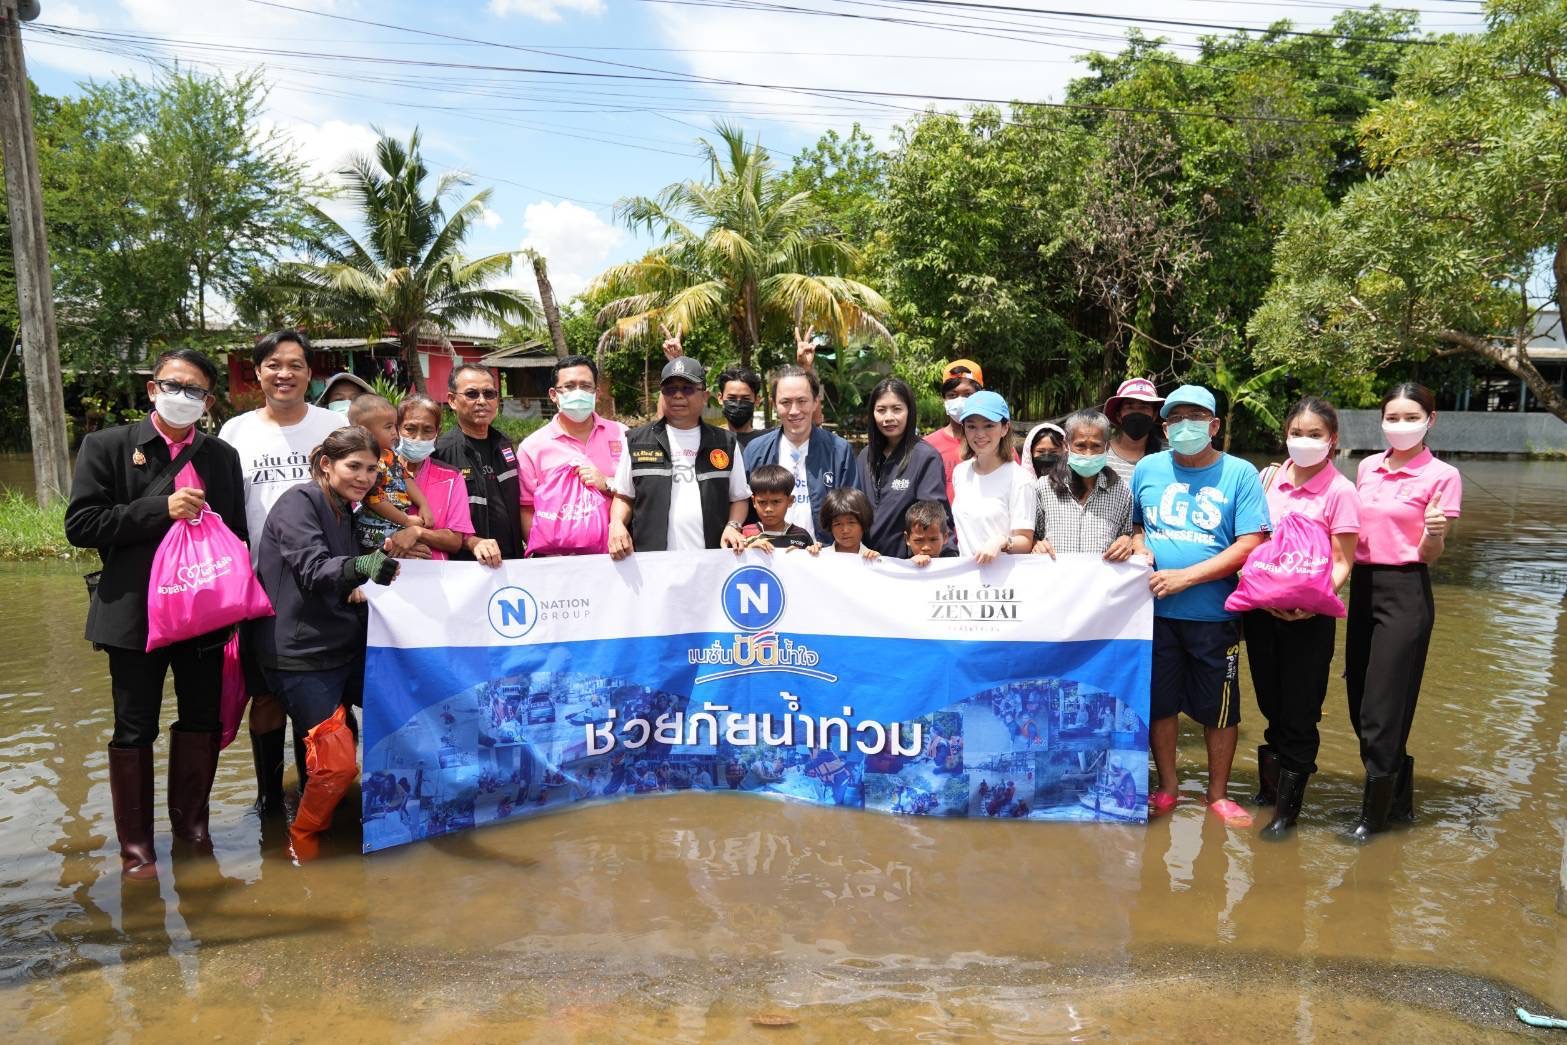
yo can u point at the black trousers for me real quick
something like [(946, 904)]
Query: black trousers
[(136, 680), (1289, 661), (1391, 612)]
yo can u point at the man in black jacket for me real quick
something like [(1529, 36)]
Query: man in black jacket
[(124, 497), (486, 458), (680, 485)]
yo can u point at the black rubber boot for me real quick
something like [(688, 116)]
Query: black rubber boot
[(1374, 806), (299, 761), (130, 792), (267, 750), (1267, 777), (1403, 810), (1292, 791), (193, 762)]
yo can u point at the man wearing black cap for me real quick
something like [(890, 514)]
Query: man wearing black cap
[(680, 485)]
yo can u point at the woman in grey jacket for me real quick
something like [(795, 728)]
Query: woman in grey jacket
[(313, 650), (897, 468)]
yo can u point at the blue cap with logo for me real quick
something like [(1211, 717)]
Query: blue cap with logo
[(988, 405), (1189, 395)]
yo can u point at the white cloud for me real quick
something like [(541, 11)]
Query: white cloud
[(575, 241), (545, 10), (489, 219)]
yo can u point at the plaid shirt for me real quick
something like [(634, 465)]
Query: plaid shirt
[(1086, 529)]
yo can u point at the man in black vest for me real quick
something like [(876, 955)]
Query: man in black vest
[(680, 485), (486, 459), (132, 483)]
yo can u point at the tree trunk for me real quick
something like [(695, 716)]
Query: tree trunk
[(606, 394), (1514, 359), (410, 350), (547, 299)]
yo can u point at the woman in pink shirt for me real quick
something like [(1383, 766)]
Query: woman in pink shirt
[(1406, 499), (1289, 651), (450, 526)]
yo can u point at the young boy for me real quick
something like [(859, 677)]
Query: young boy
[(394, 502), (846, 514), (772, 492), (925, 530)]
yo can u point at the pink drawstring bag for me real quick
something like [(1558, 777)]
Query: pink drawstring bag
[(231, 706), (201, 581), (569, 516), (1291, 570)]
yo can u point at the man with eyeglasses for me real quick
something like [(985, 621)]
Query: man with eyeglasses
[(576, 439), (819, 460), (485, 458), (130, 486), (681, 484), (274, 443)]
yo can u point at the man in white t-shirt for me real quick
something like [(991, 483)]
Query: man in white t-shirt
[(680, 484), (274, 444)]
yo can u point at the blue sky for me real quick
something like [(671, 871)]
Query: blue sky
[(562, 107)]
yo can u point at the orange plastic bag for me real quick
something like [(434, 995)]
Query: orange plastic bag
[(330, 761)]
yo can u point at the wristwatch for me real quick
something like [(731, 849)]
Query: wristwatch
[(732, 525)]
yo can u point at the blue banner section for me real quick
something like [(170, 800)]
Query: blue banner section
[(459, 736)]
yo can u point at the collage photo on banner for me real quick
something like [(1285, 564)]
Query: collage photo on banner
[(719, 701)]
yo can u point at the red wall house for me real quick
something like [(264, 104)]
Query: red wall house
[(335, 355)]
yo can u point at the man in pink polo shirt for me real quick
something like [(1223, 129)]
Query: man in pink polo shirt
[(577, 438)]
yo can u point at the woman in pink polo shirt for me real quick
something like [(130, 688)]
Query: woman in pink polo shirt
[(1289, 651), (1406, 499)]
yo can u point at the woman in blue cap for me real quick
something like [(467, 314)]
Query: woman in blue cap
[(993, 500)]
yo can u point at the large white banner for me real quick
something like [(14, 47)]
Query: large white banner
[(1017, 690)]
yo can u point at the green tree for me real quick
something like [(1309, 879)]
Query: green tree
[(845, 178), (162, 197), (1461, 238), (973, 231), (406, 274), (739, 249)]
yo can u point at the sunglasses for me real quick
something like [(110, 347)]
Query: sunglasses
[(475, 394), (192, 392)]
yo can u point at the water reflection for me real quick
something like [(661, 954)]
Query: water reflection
[(696, 917)]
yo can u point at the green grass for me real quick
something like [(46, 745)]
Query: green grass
[(30, 532)]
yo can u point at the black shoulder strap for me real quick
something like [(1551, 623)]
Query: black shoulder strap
[(165, 479)]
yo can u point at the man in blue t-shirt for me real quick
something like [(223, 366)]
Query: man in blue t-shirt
[(1199, 513)]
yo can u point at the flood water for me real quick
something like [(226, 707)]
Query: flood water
[(715, 917)]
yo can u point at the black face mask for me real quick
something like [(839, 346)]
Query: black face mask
[(1044, 464), (739, 413), (1136, 425)]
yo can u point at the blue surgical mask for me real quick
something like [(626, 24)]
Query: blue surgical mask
[(415, 450), (1087, 465), (1189, 438), (340, 406), (576, 404)]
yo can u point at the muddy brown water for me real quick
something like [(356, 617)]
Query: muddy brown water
[(726, 917)]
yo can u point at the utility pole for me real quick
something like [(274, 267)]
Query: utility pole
[(30, 247)]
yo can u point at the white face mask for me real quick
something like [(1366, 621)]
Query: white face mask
[(1405, 435), (954, 406), (177, 410), (576, 404), (1307, 452)]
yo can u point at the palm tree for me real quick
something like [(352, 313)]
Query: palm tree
[(1250, 394), (408, 274), (737, 249)]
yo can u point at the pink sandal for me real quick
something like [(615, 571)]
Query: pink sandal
[(1231, 813), (1160, 803)]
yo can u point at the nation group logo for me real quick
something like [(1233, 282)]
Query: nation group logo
[(512, 612), (753, 598)]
